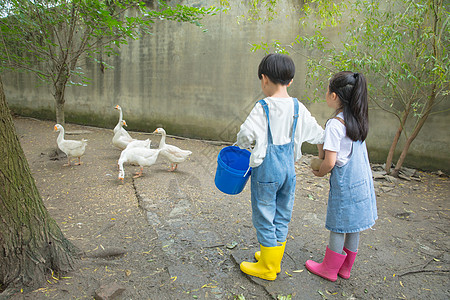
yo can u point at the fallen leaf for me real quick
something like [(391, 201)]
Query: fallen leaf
[(231, 245)]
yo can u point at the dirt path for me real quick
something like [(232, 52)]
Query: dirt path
[(173, 235)]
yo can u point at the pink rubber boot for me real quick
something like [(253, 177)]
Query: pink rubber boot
[(330, 266), (346, 267)]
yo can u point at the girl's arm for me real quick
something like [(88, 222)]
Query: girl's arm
[(321, 152), (327, 164)]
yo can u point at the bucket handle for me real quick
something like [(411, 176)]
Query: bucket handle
[(249, 149), (247, 171)]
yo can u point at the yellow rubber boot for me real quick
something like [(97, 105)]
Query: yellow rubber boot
[(269, 261), (258, 255)]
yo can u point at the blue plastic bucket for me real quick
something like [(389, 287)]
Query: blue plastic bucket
[(233, 170)]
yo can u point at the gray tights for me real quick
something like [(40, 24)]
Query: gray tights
[(340, 240)]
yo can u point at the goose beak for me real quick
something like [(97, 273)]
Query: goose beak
[(116, 107), (156, 131), (55, 128)]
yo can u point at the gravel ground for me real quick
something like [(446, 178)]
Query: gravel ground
[(173, 235)]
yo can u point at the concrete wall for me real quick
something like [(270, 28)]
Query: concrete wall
[(203, 85)]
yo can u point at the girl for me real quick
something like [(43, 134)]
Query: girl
[(351, 201)]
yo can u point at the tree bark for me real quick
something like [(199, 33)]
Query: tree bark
[(60, 119), (59, 92), (435, 6), (31, 243), (391, 153), (416, 131)]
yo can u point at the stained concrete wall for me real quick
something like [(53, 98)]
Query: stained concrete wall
[(203, 85)]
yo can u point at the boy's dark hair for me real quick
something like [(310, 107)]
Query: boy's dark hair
[(351, 89), (278, 67)]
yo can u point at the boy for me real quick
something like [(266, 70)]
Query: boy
[(278, 125)]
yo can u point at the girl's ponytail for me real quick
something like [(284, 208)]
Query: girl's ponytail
[(351, 88)]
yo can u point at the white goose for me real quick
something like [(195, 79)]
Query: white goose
[(139, 143), (70, 147), (174, 154), (121, 140), (144, 157), (120, 123)]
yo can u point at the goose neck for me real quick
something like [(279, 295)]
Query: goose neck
[(162, 143), (61, 135), (120, 118)]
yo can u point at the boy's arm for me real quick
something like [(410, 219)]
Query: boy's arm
[(328, 163), (248, 130), (244, 138), (310, 131)]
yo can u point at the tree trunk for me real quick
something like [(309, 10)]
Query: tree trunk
[(59, 100), (31, 243), (397, 136), (416, 131), (60, 119)]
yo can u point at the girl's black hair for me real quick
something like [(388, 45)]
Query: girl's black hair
[(278, 67), (351, 88)]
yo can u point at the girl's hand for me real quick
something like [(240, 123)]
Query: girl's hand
[(316, 173), (327, 164)]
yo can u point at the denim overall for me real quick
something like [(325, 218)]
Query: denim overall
[(273, 188), (351, 202)]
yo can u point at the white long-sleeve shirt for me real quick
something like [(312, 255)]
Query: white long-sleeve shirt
[(281, 112)]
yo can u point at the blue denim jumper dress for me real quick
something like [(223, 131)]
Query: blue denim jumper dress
[(351, 202), (273, 188)]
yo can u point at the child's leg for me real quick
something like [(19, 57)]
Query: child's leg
[(283, 214), (351, 248), (336, 243), (333, 259), (271, 253), (352, 241), (264, 209), (263, 213), (284, 206)]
